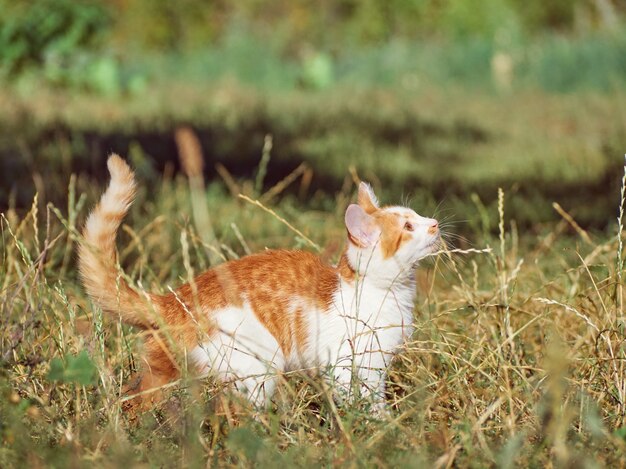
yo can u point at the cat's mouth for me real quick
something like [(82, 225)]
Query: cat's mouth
[(434, 245), (430, 248)]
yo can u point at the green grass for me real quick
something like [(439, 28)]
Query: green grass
[(551, 62), (428, 143), (517, 358)]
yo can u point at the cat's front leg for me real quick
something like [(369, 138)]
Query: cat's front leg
[(372, 380), (376, 394), (349, 388), (361, 376)]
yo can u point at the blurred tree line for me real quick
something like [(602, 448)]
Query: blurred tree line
[(332, 23), (181, 24), (83, 43)]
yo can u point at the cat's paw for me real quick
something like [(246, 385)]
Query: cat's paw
[(380, 410)]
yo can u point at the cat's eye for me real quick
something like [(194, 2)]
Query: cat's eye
[(408, 226)]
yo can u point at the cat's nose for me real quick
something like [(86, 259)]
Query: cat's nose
[(433, 228)]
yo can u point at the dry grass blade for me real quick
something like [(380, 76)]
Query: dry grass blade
[(190, 154), (569, 308), (284, 183), (228, 179), (311, 243), (620, 248), (457, 396), (569, 219), (461, 251)]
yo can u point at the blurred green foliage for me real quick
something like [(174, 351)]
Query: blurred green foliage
[(429, 144), (63, 43), (108, 46), (48, 33), (334, 24)]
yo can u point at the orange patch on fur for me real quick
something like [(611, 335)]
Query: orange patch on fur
[(301, 332), (267, 281), (345, 269), (392, 233)]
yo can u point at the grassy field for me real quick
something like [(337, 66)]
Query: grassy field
[(504, 119), (429, 143), (517, 359)]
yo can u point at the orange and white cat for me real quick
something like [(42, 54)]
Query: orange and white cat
[(247, 320)]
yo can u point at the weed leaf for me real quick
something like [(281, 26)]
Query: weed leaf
[(73, 369)]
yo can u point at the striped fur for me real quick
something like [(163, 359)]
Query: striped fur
[(96, 253)]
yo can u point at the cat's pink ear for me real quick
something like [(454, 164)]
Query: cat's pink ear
[(362, 229), (367, 199)]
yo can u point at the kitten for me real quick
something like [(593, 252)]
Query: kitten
[(247, 320)]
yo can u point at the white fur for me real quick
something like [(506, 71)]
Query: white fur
[(242, 352), (356, 339), (114, 201)]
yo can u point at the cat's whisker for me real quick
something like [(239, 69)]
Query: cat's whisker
[(437, 211), (452, 222), (452, 238)]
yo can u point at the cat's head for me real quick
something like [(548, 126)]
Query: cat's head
[(386, 242)]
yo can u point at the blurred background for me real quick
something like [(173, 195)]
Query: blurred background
[(506, 119), (437, 101)]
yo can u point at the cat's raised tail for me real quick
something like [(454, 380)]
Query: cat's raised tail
[(102, 279)]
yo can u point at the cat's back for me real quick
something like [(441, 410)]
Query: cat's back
[(281, 271), (281, 288), (267, 279)]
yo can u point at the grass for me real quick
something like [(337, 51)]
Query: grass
[(554, 62), (545, 147), (517, 358)]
